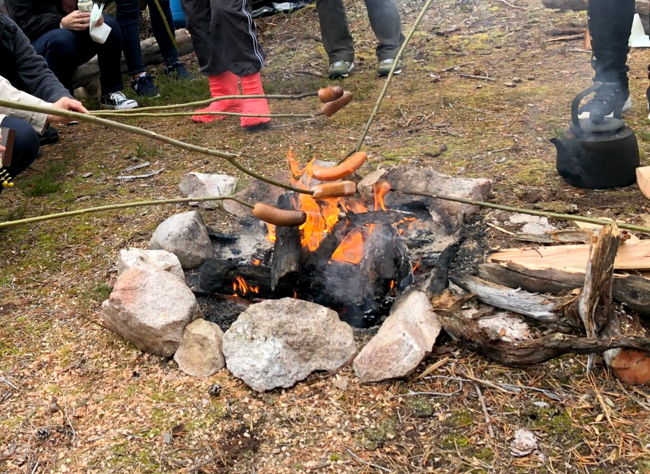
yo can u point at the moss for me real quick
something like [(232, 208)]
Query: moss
[(420, 407), (334, 457), (455, 440), (375, 437), (459, 419)]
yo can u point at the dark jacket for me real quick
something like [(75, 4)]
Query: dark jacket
[(36, 17), (25, 69)]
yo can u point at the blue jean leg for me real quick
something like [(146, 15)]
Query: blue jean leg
[(167, 45), (26, 146)]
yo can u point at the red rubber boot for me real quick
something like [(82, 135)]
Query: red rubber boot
[(225, 83), (252, 85)]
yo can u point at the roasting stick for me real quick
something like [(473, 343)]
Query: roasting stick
[(198, 103), (333, 98), (229, 157), (380, 99), (532, 212)]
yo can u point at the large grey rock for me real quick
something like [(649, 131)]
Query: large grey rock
[(448, 214), (134, 257), (276, 343), (150, 308), (204, 185), (199, 352), (401, 343), (186, 236)]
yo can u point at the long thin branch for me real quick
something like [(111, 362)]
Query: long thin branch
[(532, 212), (125, 205), (186, 114), (380, 99), (229, 157), (197, 103)]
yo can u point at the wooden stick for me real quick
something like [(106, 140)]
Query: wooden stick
[(479, 78), (382, 94), (187, 114), (125, 205), (532, 212), (229, 157), (198, 103)]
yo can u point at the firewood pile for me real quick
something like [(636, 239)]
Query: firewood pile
[(577, 298)]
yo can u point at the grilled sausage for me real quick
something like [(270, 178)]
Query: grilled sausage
[(331, 108), (343, 169), (334, 190), (280, 217), (328, 94)]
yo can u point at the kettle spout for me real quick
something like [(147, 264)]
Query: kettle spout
[(560, 146)]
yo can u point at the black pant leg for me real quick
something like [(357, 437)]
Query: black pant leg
[(234, 30), (335, 30), (610, 23), (198, 17)]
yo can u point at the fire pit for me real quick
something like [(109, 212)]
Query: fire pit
[(354, 255)]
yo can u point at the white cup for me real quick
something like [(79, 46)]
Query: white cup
[(99, 34)]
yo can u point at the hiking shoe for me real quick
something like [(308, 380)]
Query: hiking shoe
[(385, 66), (50, 135), (611, 100), (117, 101), (340, 69), (144, 86), (177, 70)]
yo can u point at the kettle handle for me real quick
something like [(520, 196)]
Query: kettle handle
[(575, 105)]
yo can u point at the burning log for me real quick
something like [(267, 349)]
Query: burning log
[(285, 262)]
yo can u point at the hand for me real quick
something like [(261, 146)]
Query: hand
[(76, 21), (100, 21), (66, 103)]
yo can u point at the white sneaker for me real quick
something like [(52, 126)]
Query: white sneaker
[(117, 101)]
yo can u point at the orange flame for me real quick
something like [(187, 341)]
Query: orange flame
[(270, 232), (256, 262), (380, 189), (240, 287), (351, 249)]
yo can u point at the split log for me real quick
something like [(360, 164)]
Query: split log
[(88, 73), (630, 256), (643, 180), (631, 290), (542, 308), (569, 236)]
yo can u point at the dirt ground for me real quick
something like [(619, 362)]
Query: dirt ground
[(124, 411)]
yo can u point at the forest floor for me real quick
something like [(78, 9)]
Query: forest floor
[(125, 411)]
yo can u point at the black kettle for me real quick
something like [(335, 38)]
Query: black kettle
[(596, 156)]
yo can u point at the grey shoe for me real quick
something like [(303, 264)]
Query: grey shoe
[(340, 69), (385, 66)]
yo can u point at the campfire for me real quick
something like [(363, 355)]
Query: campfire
[(352, 254)]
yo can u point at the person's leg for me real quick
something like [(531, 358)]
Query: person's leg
[(128, 17), (335, 31), (109, 58), (167, 47), (222, 82), (610, 24), (236, 37), (385, 22), (26, 146), (60, 49)]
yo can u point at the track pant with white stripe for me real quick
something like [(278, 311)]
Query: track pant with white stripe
[(223, 35)]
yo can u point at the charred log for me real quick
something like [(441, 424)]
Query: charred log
[(467, 333), (285, 262)]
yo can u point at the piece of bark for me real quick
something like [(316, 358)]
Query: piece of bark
[(595, 301), (541, 308), (630, 256), (643, 180), (566, 4)]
